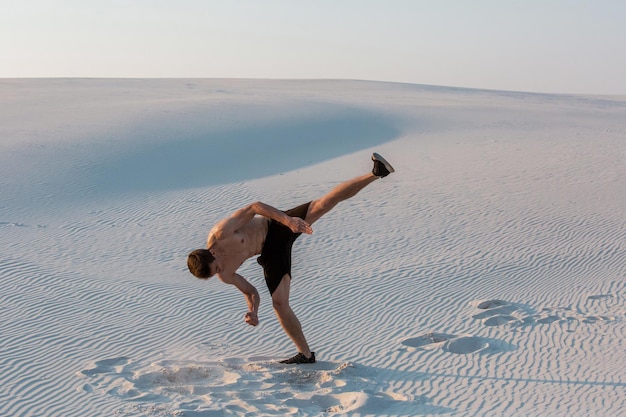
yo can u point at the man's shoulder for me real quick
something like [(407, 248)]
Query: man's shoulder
[(218, 233)]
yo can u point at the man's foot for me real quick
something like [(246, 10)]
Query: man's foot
[(300, 358), (382, 168)]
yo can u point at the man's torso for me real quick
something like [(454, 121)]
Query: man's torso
[(247, 241)]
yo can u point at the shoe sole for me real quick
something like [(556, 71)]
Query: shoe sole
[(377, 157)]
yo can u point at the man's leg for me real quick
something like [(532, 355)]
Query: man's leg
[(342, 192), (287, 318), (317, 208), (347, 189)]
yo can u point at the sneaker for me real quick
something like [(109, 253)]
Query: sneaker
[(300, 358), (382, 168)]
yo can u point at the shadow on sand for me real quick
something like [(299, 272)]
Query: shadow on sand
[(212, 158)]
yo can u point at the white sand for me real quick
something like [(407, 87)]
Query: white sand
[(486, 277)]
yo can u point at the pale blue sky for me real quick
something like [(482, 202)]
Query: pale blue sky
[(565, 46)]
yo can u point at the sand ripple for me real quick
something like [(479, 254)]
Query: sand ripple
[(485, 277)]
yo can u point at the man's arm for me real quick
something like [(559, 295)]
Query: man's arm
[(249, 291), (242, 216)]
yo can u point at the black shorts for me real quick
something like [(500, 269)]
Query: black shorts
[(276, 253)]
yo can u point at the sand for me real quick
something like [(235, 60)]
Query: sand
[(485, 277)]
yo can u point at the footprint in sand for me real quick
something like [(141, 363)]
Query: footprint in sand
[(458, 344), (100, 371), (428, 340), (257, 386), (466, 344), (500, 312), (105, 366)]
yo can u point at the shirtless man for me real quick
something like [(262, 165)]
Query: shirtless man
[(259, 229)]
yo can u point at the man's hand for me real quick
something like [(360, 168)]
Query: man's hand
[(251, 318), (297, 225)]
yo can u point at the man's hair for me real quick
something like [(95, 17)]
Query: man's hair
[(199, 263)]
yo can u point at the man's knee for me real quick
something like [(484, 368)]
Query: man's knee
[(279, 302), (280, 297)]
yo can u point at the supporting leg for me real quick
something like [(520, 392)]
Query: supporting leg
[(287, 318)]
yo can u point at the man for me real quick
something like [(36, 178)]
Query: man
[(259, 229)]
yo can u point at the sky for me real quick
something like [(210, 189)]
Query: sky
[(552, 46)]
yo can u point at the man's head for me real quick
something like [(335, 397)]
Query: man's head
[(201, 263)]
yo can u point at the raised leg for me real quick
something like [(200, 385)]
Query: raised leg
[(347, 189), (341, 192)]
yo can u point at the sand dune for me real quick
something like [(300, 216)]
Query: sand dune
[(485, 277)]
